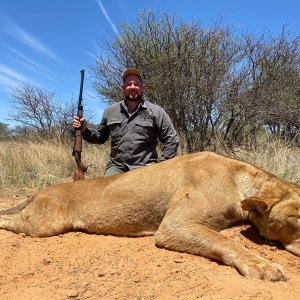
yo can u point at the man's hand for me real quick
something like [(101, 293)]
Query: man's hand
[(79, 123)]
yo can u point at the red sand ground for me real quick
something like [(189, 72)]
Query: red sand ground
[(85, 266)]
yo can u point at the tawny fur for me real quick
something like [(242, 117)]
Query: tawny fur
[(184, 202)]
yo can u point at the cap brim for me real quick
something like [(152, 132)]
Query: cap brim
[(131, 71)]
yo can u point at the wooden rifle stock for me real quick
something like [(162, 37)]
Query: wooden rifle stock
[(77, 149)]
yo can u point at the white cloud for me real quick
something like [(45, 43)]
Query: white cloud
[(30, 64), (91, 95), (92, 55), (21, 55), (10, 73), (26, 38), (107, 17), (6, 83), (10, 78)]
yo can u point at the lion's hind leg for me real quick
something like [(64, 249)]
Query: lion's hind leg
[(14, 223), (38, 219), (5, 222)]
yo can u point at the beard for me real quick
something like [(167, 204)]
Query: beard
[(136, 99)]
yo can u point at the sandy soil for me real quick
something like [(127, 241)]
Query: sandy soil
[(84, 266)]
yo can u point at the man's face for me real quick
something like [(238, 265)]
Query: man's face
[(133, 88)]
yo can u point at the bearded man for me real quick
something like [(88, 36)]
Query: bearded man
[(135, 126)]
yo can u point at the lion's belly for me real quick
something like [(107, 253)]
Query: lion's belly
[(119, 218)]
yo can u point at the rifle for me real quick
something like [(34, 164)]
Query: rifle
[(77, 149)]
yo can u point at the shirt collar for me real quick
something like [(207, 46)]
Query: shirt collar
[(142, 104)]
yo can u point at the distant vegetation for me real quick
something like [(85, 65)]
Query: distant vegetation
[(219, 87)]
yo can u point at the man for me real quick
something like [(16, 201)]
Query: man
[(135, 126)]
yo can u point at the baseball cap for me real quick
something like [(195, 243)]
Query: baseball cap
[(132, 71)]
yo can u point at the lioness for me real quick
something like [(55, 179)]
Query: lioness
[(184, 202)]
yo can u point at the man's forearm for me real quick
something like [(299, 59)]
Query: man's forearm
[(94, 136), (170, 147)]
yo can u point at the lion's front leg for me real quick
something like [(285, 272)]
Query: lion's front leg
[(198, 239)]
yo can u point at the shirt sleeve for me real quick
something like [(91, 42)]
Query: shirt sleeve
[(167, 136), (99, 135)]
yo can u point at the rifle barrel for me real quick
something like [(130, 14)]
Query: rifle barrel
[(81, 168), (81, 89)]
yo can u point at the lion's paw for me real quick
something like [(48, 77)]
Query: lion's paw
[(262, 269)]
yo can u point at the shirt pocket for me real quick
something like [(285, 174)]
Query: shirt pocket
[(145, 127), (114, 128)]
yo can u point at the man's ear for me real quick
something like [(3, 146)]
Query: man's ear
[(257, 204)]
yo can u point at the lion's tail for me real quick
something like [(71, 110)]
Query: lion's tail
[(16, 209)]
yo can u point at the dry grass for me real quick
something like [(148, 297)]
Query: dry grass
[(38, 164), (275, 157)]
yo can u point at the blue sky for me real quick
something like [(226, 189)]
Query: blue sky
[(47, 42)]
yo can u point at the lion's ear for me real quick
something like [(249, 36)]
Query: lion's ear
[(255, 204)]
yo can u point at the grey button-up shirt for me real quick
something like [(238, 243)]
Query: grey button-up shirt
[(134, 138)]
